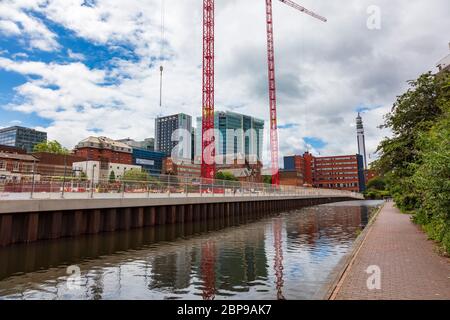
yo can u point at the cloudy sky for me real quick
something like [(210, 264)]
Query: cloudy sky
[(77, 68)]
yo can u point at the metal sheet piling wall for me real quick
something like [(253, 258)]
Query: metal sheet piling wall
[(26, 227)]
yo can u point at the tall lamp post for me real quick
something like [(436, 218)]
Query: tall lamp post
[(92, 180), (32, 179), (64, 178)]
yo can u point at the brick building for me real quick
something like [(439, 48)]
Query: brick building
[(339, 172), (335, 172), (292, 178), (244, 172), (16, 167), (55, 165), (370, 174), (184, 168), (10, 149), (104, 150)]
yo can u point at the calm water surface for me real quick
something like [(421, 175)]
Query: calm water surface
[(291, 255)]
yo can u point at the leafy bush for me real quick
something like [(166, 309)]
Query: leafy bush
[(416, 160)]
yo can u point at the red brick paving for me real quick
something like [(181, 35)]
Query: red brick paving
[(410, 267)]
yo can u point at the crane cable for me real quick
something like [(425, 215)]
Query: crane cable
[(161, 55)]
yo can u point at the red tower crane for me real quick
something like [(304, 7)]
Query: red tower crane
[(208, 154), (272, 83), (208, 158)]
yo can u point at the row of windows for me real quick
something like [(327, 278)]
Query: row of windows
[(326, 164), (336, 178), (16, 166), (334, 159), (338, 185), (335, 173), (335, 168)]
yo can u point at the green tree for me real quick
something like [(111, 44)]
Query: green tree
[(112, 177), (228, 176), (432, 181), (136, 175), (415, 160), (51, 147), (267, 179), (377, 183)]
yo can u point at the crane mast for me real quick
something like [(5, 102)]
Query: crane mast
[(272, 83), (208, 167), (272, 95)]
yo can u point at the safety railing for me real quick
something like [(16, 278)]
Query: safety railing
[(156, 187)]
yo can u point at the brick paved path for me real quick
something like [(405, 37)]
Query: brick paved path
[(410, 268)]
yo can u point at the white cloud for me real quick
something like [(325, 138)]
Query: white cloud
[(15, 13), (324, 70), (75, 56), (9, 28)]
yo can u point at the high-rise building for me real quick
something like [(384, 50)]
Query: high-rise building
[(361, 139), (21, 137), (168, 135), (239, 134)]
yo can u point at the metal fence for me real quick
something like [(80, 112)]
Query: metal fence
[(157, 187)]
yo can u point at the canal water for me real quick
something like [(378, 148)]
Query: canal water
[(293, 255)]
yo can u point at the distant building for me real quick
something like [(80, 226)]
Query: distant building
[(369, 175), (294, 171), (9, 149), (339, 172), (183, 168), (147, 144), (55, 165), (21, 137), (361, 139), (165, 128), (150, 161), (334, 172), (244, 172), (291, 178), (97, 171), (16, 167), (444, 64), (246, 138), (105, 150)]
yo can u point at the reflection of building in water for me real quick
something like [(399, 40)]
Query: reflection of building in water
[(324, 220), (244, 262), (364, 216), (172, 270)]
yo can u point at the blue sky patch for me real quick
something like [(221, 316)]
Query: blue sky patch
[(316, 143)]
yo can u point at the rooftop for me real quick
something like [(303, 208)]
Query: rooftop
[(104, 143), (17, 156)]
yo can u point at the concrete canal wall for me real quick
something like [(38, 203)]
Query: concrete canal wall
[(25, 221)]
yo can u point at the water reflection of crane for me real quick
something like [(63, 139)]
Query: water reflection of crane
[(208, 263), (278, 260)]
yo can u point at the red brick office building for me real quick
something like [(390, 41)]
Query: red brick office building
[(334, 172)]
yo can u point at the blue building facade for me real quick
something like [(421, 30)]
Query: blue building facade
[(289, 163), (150, 161), (361, 175), (21, 137)]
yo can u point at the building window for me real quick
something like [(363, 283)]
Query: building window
[(2, 165), (16, 166)]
